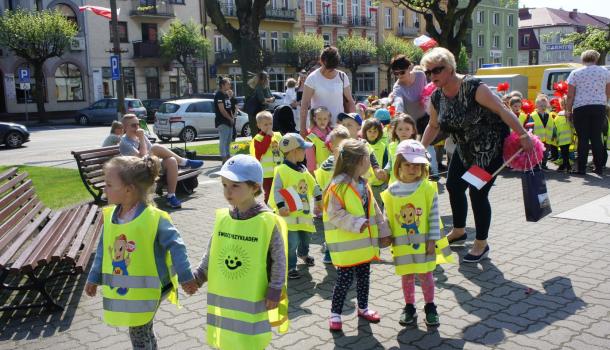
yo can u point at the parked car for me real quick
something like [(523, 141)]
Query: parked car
[(104, 111), (13, 135), (191, 119), (152, 106), (279, 100)]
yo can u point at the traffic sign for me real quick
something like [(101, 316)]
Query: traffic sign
[(24, 75), (114, 66), (24, 86)]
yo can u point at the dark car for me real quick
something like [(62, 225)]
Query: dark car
[(105, 111), (13, 135), (152, 106)]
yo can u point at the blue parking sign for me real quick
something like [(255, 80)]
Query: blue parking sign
[(24, 75), (114, 67)]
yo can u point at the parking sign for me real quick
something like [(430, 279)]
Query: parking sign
[(24, 75), (114, 66)]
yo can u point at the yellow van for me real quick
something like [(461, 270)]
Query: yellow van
[(537, 80)]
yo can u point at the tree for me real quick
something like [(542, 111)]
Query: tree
[(392, 46), (462, 61), (306, 47), (36, 36), (184, 43), (592, 39), (356, 51), (245, 39), (448, 25)]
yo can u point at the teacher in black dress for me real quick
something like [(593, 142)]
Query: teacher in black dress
[(478, 122)]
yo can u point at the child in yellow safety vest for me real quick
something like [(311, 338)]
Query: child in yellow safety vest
[(140, 258), (404, 128), (294, 190), (543, 125), (320, 128), (354, 229), (411, 206), (265, 147), (563, 133), (245, 263), (372, 132)]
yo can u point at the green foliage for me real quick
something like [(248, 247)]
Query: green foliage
[(183, 41), (393, 46), (36, 35), (592, 39), (356, 50), (306, 47), (462, 61)]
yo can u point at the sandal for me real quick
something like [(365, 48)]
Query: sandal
[(335, 324), (370, 315)]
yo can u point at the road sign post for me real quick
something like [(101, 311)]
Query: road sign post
[(24, 84)]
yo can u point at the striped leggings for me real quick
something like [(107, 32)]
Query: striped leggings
[(427, 286)]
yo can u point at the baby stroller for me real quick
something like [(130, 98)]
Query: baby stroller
[(283, 119)]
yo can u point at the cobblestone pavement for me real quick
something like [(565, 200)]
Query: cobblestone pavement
[(546, 286)]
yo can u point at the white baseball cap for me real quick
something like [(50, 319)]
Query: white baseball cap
[(242, 168), (292, 141), (413, 151)]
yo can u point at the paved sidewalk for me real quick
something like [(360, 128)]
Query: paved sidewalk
[(546, 286)]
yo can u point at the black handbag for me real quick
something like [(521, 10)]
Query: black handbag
[(535, 195)]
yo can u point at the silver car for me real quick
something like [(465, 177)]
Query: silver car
[(191, 119), (104, 111)]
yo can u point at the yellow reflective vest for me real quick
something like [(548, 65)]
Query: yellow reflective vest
[(237, 318), (392, 159), (303, 183), (322, 151), (408, 221), (544, 133), (323, 178), (273, 157), (351, 248), (378, 149), (562, 131), (131, 286)]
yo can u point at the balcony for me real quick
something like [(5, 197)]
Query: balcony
[(146, 49), (407, 31), (152, 9), (270, 57), (283, 14), (225, 57), (325, 20), (360, 21), (228, 10)]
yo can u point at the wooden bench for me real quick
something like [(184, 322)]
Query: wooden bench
[(90, 164), (33, 236)]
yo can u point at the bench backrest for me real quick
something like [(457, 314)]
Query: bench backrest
[(91, 168)]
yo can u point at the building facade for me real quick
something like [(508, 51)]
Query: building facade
[(541, 31)]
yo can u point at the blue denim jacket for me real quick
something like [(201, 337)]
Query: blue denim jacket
[(168, 238)]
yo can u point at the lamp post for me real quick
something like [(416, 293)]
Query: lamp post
[(116, 50)]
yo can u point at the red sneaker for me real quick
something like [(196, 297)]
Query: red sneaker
[(335, 324), (370, 315)]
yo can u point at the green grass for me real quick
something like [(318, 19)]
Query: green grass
[(56, 187), (212, 148)]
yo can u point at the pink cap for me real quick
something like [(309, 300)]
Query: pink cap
[(413, 151)]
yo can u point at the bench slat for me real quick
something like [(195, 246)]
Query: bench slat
[(95, 173), (15, 193), (26, 216), (99, 154), (82, 232), (89, 245), (9, 215), (100, 160), (69, 236), (188, 174), (92, 150), (25, 234), (13, 182), (61, 233), (8, 173), (49, 240)]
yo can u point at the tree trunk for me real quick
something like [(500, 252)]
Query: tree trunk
[(39, 92), (191, 74), (389, 77), (249, 48)]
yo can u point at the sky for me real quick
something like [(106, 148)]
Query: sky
[(594, 7)]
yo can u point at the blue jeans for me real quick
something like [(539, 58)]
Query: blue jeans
[(226, 134), (298, 243)]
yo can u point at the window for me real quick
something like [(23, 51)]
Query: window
[(496, 19), (274, 42), (129, 82), (340, 8), (355, 8), (510, 62), (200, 107), (68, 83), (401, 18), (122, 32), (326, 38), (556, 77), (309, 7), (67, 12), (369, 4), (496, 42), (20, 94), (285, 38), (526, 40), (480, 16), (480, 62), (178, 85), (509, 43), (415, 19), (276, 82), (547, 56), (263, 38), (511, 21), (217, 43), (365, 83), (388, 17), (497, 60), (481, 40)]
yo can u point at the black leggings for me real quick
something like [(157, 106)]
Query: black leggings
[(345, 276), (588, 122), (478, 198)]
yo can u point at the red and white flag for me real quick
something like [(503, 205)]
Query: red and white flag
[(425, 42), (98, 10), (292, 199), (477, 177)]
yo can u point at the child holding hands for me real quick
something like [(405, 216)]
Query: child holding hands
[(140, 258), (265, 147)]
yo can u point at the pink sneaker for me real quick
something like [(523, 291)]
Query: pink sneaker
[(335, 324), (370, 315)]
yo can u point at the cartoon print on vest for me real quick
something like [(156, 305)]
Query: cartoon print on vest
[(233, 261), (121, 259), (275, 151), (302, 191), (409, 219)]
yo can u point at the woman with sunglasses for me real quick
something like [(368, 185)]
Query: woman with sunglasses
[(478, 122)]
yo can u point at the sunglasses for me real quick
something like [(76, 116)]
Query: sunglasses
[(399, 72), (435, 70)]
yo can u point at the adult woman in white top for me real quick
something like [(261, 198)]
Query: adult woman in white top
[(588, 94), (326, 87)]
